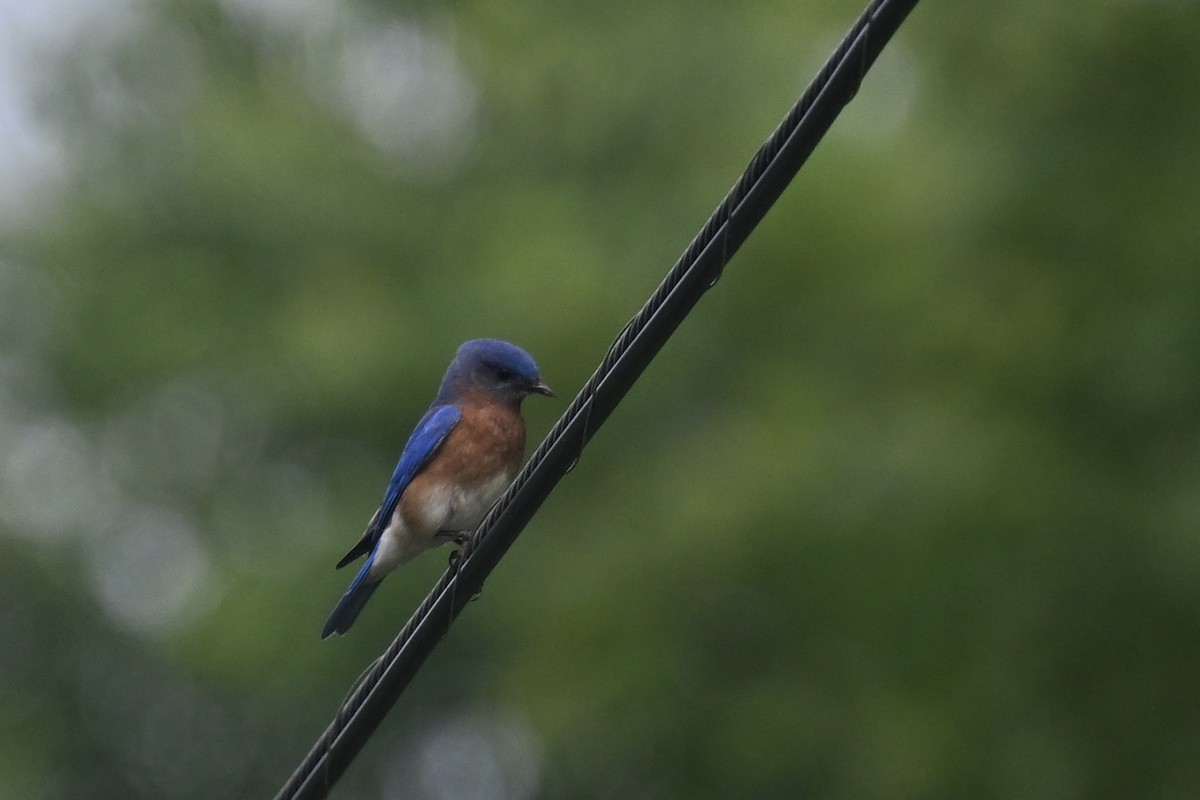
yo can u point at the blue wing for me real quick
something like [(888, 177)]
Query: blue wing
[(430, 432)]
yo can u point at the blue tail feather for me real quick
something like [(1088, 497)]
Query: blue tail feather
[(352, 602)]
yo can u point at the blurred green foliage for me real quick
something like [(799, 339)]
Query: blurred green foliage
[(909, 508)]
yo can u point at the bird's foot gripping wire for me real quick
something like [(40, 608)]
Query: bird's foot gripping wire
[(459, 539)]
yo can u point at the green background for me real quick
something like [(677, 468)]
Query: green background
[(908, 508)]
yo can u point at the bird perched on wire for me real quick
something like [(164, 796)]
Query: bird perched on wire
[(461, 456)]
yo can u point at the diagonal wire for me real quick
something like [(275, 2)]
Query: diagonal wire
[(696, 271)]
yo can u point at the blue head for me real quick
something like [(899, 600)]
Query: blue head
[(500, 370)]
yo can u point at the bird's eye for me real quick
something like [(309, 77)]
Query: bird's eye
[(504, 373)]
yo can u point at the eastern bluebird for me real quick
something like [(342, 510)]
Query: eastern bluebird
[(461, 456)]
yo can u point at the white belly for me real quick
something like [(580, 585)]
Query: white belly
[(446, 508), (459, 509)]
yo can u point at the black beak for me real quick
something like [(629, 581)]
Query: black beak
[(541, 388)]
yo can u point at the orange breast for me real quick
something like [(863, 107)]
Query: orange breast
[(487, 440)]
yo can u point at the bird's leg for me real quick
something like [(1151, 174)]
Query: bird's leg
[(458, 537)]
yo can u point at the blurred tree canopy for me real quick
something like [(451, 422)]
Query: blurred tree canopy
[(909, 508)]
